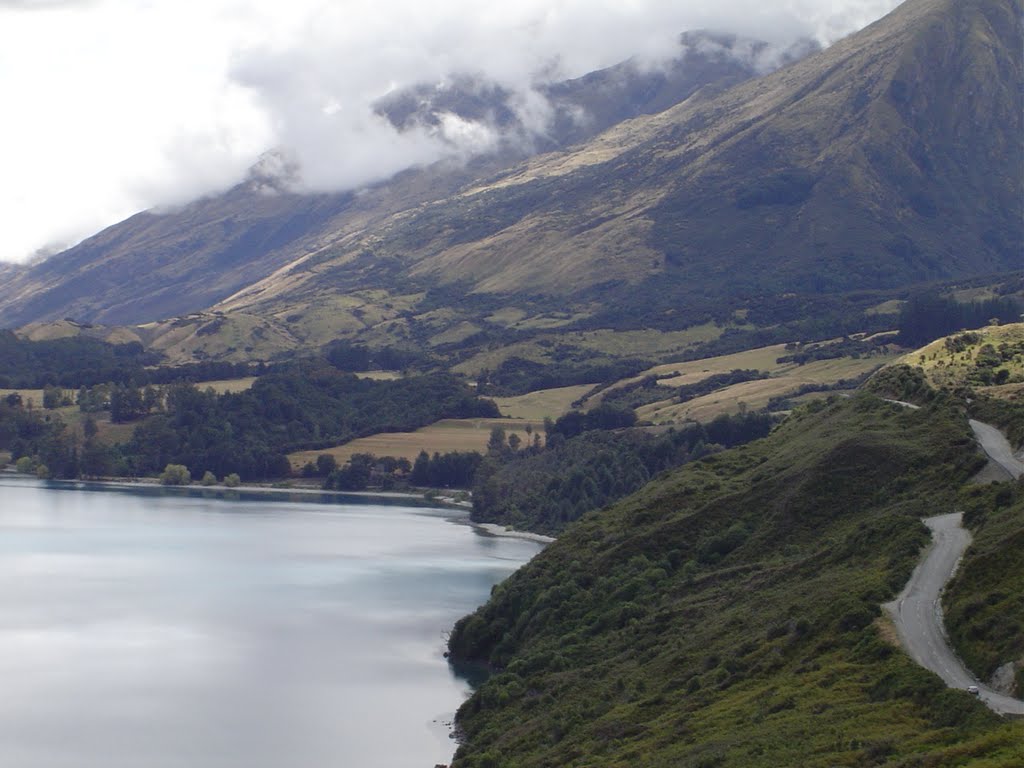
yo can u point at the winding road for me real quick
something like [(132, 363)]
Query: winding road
[(998, 448), (917, 612)]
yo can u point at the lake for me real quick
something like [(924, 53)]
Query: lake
[(151, 629)]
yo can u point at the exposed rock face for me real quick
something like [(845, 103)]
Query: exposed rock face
[(1004, 679)]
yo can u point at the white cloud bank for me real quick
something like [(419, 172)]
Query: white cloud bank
[(114, 106)]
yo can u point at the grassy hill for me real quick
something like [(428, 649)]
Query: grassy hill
[(726, 614), (990, 357)]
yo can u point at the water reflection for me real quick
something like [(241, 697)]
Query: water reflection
[(155, 629)]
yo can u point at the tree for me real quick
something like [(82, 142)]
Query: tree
[(496, 444), (208, 479), (176, 474), (52, 397), (325, 464)]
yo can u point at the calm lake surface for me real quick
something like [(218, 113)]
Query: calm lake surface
[(144, 630)]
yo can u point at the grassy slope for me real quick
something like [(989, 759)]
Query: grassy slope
[(723, 615), (985, 603), (950, 365)]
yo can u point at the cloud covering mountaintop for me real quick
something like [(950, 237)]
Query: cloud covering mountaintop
[(114, 106)]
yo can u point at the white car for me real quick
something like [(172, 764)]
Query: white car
[(973, 690)]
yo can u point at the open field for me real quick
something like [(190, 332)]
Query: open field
[(762, 359), (543, 403), (613, 344), (754, 395), (36, 395), (443, 437), (380, 375), (106, 431), (643, 343)]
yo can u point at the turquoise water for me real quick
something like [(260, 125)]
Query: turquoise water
[(146, 630)]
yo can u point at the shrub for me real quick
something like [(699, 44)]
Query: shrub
[(208, 478), (232, 480), (176, 474)]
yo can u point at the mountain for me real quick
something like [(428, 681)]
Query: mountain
[(162, 264), (583, 107), (888, 160)]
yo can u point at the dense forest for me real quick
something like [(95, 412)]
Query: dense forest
[(544, 490), (71, 362), (929, 316), (248, 433)]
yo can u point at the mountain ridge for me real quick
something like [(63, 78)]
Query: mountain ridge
[(879, 164), (206, 250)]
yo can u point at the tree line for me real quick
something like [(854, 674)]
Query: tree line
[(248, 433)]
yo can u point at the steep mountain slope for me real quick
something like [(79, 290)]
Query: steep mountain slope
[(158, 265), (889, 159), (725, 615), (583, 107)]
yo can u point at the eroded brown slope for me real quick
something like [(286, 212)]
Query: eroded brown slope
[(889, 159)]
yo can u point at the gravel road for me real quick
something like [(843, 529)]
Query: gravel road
[(998, 448), (917, 613)]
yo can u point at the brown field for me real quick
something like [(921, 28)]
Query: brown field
[(763, 359), (754, 395), (442, 437), (543, 403), (655, 345), (36, 395), (228, 385), (380, 375), (1012, 392)]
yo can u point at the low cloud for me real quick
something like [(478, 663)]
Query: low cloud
[(113, 106)]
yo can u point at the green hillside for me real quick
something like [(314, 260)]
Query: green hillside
[(727, 614), (985, 602)]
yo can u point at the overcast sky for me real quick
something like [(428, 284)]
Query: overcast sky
[(109, 107)]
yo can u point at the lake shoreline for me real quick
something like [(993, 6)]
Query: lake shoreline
[(448, 503), (440, 500)]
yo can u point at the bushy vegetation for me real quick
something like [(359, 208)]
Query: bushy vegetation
[(545, 490), (724, 615), (903, 383), (985, 602)]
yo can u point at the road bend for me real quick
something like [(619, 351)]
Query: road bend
[(917, 613), (998, 448)]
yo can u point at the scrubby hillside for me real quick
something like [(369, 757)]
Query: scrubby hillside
[(727, 615), (985, 603)]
